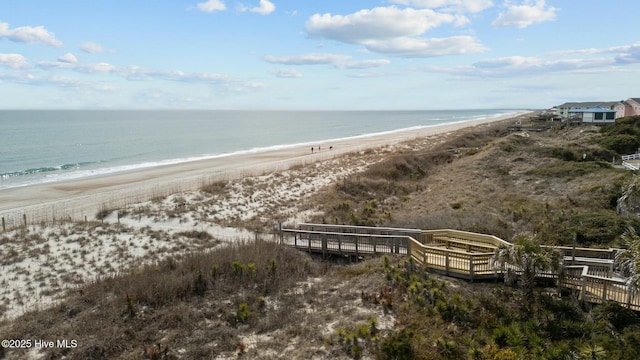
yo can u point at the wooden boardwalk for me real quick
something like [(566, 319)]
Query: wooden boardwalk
[(588, 272)]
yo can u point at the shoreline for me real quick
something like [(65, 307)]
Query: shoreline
[(156, 211), (79, 174), (80, 199)]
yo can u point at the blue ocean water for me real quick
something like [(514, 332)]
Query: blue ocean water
[(51, 145)]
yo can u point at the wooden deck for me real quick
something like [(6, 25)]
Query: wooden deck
[(589, 272)]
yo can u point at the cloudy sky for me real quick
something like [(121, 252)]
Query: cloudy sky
[(319, 54)]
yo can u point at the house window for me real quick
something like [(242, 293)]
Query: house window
[(611, 116), (599, 116)]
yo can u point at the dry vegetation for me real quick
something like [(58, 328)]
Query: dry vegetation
[(558, 183), (160, 286)]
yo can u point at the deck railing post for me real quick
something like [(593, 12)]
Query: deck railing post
[(356, 244), (446, 261), (340, 244), (375, 242), (324, 244), (584, 288), (471, 266), (604, 290), (610, 269), (629, 292)]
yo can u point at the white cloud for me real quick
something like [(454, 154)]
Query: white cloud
[(526, 14), (287, 73), (29, 35), (432, 47), (89, 68), (211, 6), (337, 60), (136, 73), (266, 7), (308, 59), (68, 82), (615, 59), (93, 48), (364, 64), (630, 55), (376, 24), (55, 81), (622, 52), (68, 58), (471, 6), (97, 68), (17, 77), (513, 66), (55, 65), (14, 61), (394, 31)]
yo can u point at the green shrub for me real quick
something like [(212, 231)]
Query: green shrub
[(622, 144), (214, 188), (617, 315), (343, 206), (103, 213), (194, 234), (243, 313), (199, 285), (597, 227), (238, 267), (569, 170), (563, 154), (397, 346), (622, 129)]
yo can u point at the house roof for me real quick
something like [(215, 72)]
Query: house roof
[(592, 110), (588, 104)]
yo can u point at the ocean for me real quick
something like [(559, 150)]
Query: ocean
[(38, 146)]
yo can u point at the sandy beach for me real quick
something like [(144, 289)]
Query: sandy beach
[(162, 211), (82, 199)]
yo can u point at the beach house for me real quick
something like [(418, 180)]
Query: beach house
[(627, 107), (594, 115), (564, 109)]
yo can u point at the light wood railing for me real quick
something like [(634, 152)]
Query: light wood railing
[(590, 272)]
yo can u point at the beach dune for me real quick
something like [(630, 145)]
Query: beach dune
[(83, 198)]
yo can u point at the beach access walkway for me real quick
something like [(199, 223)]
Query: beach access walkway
[(588, 272)]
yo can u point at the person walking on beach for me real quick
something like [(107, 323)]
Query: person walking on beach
[(312, 149)]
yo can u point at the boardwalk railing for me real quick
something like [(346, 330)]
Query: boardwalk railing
[(631, 157), (414, 233), (599, 289), (345, 243), (453, 262), (463, 240), (630, 166), (461, 254)]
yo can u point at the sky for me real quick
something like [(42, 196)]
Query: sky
[(316, 54)]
